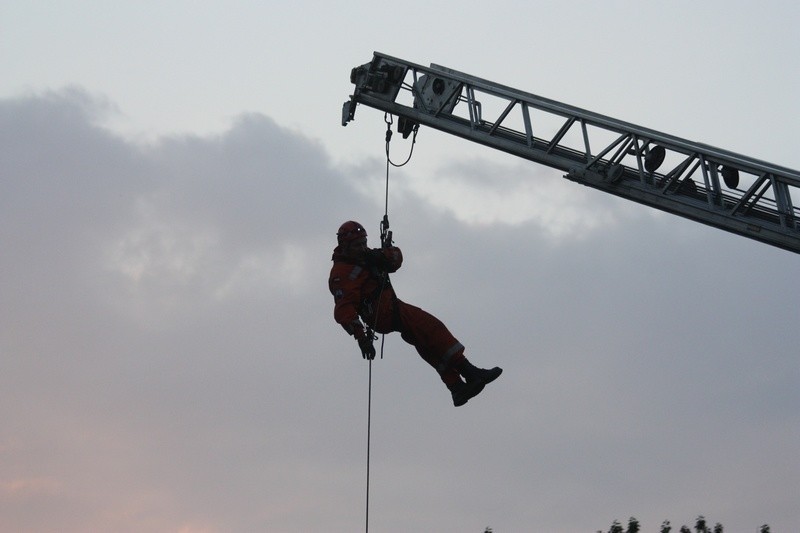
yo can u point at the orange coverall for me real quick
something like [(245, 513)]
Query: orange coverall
[(356, 290)]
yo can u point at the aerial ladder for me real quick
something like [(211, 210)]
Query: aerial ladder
[(716, 187)]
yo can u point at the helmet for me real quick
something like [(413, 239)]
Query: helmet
[(350, 231)]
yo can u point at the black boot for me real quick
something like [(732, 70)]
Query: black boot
[(477, 379), (460, 393), (473, 374)]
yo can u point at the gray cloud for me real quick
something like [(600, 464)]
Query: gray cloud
[(170, 363)]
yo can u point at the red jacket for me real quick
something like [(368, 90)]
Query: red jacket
[(356, 288)]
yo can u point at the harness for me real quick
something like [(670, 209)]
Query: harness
[(371, 304)]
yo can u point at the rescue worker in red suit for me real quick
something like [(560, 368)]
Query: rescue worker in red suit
[(361, 291)]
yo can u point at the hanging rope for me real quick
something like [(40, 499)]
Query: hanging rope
[(386, 241), (369, 424)]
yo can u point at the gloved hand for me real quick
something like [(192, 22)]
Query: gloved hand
[(367, 349), (364, 339), (386, 259), (375, 257)]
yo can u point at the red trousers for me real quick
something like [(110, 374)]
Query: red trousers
[(431, 338)]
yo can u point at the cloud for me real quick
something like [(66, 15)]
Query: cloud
[(486, 193), (142, 285), (170, 362), (26, 487)]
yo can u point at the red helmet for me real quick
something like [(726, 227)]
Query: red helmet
[(350, 231)]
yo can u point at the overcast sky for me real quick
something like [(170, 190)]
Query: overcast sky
[(172, 175)]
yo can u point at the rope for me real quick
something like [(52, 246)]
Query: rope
[(386, 239), (369, 424)]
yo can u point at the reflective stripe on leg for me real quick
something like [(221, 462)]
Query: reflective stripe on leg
[(446, 359)]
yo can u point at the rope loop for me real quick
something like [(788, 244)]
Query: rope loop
[(387, 117)]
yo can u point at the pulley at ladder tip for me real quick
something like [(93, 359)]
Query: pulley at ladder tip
[(406, 126)]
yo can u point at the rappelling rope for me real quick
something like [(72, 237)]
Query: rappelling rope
[(369, 424), (386, 241)]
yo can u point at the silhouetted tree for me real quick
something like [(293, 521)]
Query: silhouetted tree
[(616, 527), (700, 526)]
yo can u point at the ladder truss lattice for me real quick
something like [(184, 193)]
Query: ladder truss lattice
[(723, 189)]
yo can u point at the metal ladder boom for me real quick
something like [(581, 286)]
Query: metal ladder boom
[(723, 189)]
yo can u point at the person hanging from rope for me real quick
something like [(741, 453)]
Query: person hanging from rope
[(361, 290)]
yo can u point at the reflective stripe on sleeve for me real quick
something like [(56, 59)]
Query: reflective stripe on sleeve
[(354, 273)]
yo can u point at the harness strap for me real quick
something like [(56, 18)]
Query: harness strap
[(370, 305)]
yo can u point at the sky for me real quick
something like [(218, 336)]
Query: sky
[(172, 175)]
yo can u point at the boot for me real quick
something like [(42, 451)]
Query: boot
[(461, 393), (474, 374), (477, 379)]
